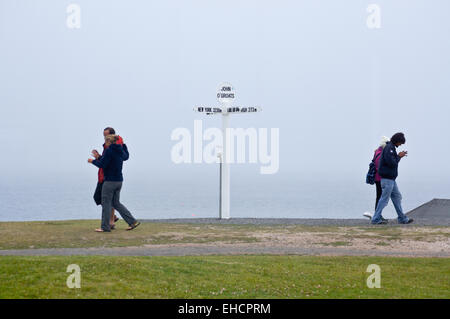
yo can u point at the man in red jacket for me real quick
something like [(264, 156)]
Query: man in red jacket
[(101, 176)]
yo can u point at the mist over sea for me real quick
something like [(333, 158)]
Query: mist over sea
[(329, 81), (255, 196)]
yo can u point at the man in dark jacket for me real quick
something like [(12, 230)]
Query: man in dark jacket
[(388, 170), (111, 162)]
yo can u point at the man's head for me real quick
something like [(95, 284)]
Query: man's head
[(108, 131), (398, 139)]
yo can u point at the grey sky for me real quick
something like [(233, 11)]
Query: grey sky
[(331, 85)]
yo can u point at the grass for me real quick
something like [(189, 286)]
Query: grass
[(224, 277), (242, 276), (79, 233)]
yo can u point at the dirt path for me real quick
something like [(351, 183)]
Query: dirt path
[(194, 250)]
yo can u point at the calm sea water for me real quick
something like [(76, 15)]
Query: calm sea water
[(61, 199)]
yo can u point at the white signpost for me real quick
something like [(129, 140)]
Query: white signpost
[(226, 96)]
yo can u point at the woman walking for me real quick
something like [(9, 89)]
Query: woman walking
[(101, 176), (111, 162), (376, 160)]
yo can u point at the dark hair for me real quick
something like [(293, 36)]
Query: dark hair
[(110, 130), (398, 138)]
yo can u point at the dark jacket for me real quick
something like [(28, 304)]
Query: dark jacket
[(111, 161), (388, 167), (101, 175)]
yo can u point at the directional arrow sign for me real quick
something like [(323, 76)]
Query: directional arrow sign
[(238, 109), (234, 109), (208, 110)]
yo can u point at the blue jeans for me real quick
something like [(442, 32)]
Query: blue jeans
[(389, 189)]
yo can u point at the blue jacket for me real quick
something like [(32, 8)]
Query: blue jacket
[(388, 167), (111, 161)]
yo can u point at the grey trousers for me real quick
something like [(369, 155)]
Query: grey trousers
[(110, 200)]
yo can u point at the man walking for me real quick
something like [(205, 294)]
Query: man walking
[(388, 171)]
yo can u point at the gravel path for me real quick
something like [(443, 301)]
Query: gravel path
[(196, 250)]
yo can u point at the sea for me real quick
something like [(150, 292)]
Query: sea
[(70, 198)]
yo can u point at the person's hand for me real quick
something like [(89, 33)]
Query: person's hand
[(90, 160), (403, 154), (95, 154)]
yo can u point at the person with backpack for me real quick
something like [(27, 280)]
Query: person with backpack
[(388, 171), (374, 177)]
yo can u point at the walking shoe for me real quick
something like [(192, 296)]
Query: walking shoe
[(99, 230), (133, 226), (368, 215), (382, 222), (409, 221)]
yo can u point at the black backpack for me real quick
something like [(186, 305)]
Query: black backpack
[(370, 177)]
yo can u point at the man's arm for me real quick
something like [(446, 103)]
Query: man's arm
[(103, 161)]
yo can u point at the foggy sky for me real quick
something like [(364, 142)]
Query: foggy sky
[(331, 85)]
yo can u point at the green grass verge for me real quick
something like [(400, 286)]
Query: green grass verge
[(223, 277)]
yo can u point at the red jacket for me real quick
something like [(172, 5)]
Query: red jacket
[(101, 175)]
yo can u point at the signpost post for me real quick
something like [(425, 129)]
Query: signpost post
[(226, 96)]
